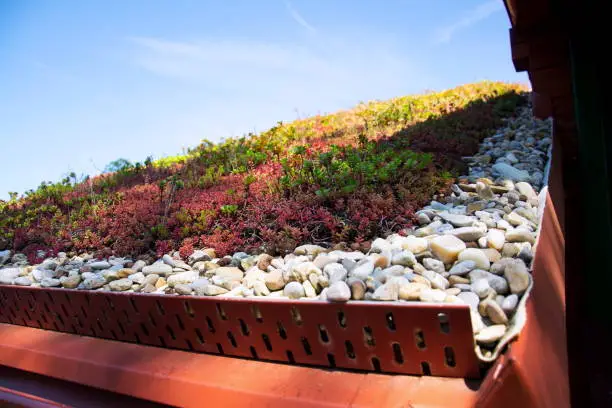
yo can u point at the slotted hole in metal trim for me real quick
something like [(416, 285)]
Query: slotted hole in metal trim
[(152, 320), (65, 296), (323, 334), (64, 310), (281, 330), (254, 352), (44, 318), (160, 308), (121, 328), (390, 321), (341, 319), (137, 338), (87, 299), (306, 346), (144, 329), (59, 317), (55, 326), (113, 334), (188, 309), (74, 330), (331, 359), (444, 323), (368, 336), (180, 322), (449, 356), (85, 313), (375, 364), (39, 324), (133, 305), (220, 348), (127, 317), (100, 325), (209, 322), (256, 313), (162, 341), (200, 337), (350, 351), (221, 311), (189, 345), (244, 328), (110, 302), (290, 357), (266, 341), (46, 306), (296, 316), (425, 368), (398, 356), (231, 338), (170, 332), (419, 339), (27, 314)]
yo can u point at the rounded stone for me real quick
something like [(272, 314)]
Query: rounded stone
[(496, 239), (264, 261), (437, 280), (446, 248), (520, 235), (309, 290), (139, 277), (24, 281), (260, 289), (212, 290), (526, 189), (120, 285), (274, 280), (495, 312), (161, 269), (433, 265), (509, 304), (415, 244), (403, 258), (49, 282), (182, 289), (467, 234), (517, 276), (229, 272), (470, 298), (412, 291), (492, 254), (184, 278), (358, 289), (453, 291), (462, 268), (490, 334), (477, 256), (294, 290), (363, 269), (335, 272), (481, 288), (338, 292), (432, 295)]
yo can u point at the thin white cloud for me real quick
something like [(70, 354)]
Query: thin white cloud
[(479, 13), (299, 19), (239, 84)]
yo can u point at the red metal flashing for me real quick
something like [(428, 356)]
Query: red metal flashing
[(193, 380), (408, 338)]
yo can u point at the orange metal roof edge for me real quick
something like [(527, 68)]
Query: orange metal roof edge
[(187, 379)]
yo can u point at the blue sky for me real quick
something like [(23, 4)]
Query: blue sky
[(84, 83)]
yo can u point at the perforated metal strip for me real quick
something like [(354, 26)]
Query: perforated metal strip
[(409, 338)]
